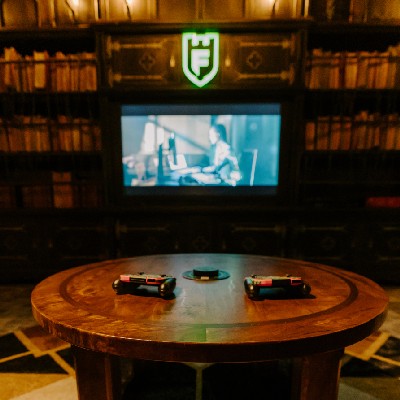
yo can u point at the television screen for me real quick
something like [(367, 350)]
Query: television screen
[(213, 146)]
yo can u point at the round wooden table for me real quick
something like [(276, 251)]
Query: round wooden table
[(208, 321)]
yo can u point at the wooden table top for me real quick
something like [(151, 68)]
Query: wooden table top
[(210, 321)]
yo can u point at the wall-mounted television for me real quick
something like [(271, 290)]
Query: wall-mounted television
[(201, 150)]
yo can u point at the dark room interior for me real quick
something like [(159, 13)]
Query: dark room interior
[(199, 199)]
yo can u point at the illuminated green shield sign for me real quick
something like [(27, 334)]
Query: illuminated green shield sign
[(200, 56)]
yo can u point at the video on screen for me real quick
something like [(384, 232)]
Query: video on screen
[(201, 145)]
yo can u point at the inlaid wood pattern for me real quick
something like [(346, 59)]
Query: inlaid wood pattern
[(208, 321)]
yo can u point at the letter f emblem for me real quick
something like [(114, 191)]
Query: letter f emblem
[(200, 54)]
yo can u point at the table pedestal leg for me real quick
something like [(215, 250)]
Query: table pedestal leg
[(97, 375), (316, 377), (199, 367)]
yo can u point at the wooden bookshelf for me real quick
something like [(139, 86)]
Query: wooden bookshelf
[(49, 123), (351, 121), (56, 147)]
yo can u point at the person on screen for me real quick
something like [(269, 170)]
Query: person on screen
[(221, 157)]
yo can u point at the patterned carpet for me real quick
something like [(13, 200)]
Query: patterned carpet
[(35, 365)]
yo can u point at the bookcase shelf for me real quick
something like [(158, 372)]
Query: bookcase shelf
[(351, 118), (339, 36), (50, 135), (348, 177), (51, 180)]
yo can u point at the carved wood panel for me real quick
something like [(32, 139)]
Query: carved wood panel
[(245, 60), (136, 60)]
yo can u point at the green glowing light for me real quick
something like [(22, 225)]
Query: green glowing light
[(200, 56)]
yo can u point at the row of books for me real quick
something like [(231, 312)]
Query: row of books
[(62, 190), (42, 72), (354, 10), (40, 134), (364, 131), (351, 70)]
